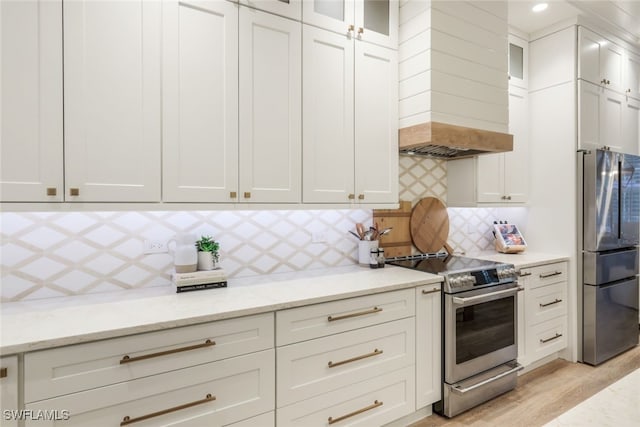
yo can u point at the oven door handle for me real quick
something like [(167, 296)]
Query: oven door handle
[(459, 390), (483, 297)]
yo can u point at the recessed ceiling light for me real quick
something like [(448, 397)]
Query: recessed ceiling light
[(539, 7)]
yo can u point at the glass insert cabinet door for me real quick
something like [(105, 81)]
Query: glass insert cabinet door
[(374, 21)]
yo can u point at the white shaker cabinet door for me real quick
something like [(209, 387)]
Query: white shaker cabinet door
[(631, 126), (327, 105), (333, 15), (200, 101), (516, 162), (31, 92), (112, 100), (270, 108), (376, 124)]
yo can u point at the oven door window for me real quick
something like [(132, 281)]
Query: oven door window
[(484, 328)]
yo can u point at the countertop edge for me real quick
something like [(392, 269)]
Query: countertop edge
[(103, 332)]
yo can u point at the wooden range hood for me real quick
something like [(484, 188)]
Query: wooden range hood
[(447, 141)]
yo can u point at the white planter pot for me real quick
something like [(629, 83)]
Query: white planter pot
[(206, 261)]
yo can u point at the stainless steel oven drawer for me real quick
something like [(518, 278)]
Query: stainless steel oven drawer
[(473, 391)]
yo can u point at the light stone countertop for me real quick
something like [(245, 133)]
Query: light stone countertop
[(521, 260), (40, 324)]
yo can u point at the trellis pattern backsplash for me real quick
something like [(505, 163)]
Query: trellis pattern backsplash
[(50, 254)]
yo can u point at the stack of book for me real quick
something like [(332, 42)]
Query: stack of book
[(199, 280)]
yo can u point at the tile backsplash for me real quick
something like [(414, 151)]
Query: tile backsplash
[(50, 254)]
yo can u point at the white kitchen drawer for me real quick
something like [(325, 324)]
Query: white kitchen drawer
[(243, 386), (9, 387), (54, 372), (543, 275), (315, 367), (374, 402), (319, 320), (545, 303), (263, 420), (546, 338)]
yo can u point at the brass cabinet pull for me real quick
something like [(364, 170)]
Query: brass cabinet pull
[(353, 359), (360, 30), (432, 291), (247, 195), (233, 194), (350, 28), (360, 196), (550, 339), (3, 372), (525, 274), (351, 196), (74, 191), (128, 420), (127, 359), (360, 313), (52, 191), (359, 411), (555, 273), (551, 303), (605, 81)]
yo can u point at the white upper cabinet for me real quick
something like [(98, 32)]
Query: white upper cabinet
[(376, 124), (328, 116), (600, 61), (632, 75), (270, 108), (288, 8), (373, 21), (112, 100), (607, 118), (518, 62), (31, 95), (200, 101)]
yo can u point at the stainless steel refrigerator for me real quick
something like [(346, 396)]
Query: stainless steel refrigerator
[(611, 228)]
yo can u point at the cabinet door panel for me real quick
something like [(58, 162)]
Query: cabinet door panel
[(333, 15), (516, 162), (589, 117), (270, 107), (327, 97), (376, 124), (200, 110), (611, 118), (31, 110), (631, 126), (112, 100), (379, 22), (490, 178), (632, 75), (428, 345)]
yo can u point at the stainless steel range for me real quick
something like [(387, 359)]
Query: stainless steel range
[(479, 335)]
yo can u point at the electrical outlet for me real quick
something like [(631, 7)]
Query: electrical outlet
[(318, 237), (155, 247)]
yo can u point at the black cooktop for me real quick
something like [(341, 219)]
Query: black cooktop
[(442, 263)]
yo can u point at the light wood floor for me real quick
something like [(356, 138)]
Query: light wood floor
[(543, 394)]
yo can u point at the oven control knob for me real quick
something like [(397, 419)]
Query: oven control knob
[(454, 282)]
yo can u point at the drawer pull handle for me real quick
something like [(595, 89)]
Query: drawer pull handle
[(3, 372), (555, 273), (128, 420), (550, 339), (524, 274), (353, 359), (551, 303), (432, 291), (127, 359), (359, 411), (360, 313)]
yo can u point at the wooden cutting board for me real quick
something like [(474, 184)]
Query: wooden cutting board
[(398, 241), (429, 225)]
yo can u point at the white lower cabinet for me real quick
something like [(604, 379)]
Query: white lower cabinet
[(543, 326), (374, 402), (9, 389), (350, 361), (212, 394), (428, 345)]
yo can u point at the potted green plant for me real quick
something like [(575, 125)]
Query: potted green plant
[(208, 255)]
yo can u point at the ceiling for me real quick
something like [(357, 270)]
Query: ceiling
[(623, 16)]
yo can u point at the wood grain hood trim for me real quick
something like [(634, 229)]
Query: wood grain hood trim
[(454, 141)]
